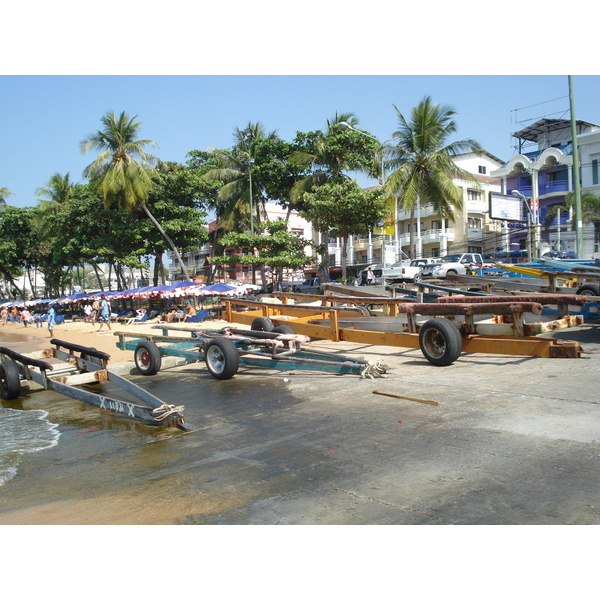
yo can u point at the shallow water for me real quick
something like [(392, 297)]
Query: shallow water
[(22, 432)]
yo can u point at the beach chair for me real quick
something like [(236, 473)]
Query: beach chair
[(58, 319), (198, 317), (141, 319)]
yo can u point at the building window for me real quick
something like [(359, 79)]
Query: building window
[(436, 225), (474, 223), (482, 170), (595, 171), (473, 196)]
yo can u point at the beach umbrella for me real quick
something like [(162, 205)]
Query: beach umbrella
[(220, 289)]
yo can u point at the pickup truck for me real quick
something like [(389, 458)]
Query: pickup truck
[(456, 264), (412, 272), (384, 274)]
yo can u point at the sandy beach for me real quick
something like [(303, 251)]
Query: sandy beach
[(32, 338)]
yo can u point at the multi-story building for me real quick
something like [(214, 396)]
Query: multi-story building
[(470, 229), (543, 175)]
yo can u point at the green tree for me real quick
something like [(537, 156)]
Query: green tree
[(16, 240), (4, 193), (424, 169), (590, 211), (123, 168), (343, 209), (278, 249), (328, 155)]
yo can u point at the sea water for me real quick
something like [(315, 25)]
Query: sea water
[(22, 432)]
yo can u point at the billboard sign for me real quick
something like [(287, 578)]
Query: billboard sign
[(506, 208)]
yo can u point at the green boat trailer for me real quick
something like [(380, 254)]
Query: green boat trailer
[(223, 351), (71, 366)]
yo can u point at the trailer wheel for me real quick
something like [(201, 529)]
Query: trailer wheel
[(222, 358), (10, 380), (262, 324), (440, 342), (589, 289), (147, 357)]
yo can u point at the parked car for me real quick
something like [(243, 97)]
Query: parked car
[(453, 264), (308, 286)]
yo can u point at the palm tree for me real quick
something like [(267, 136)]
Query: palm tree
[(423, 160), (590, 211), (4, 192), (241, 191), (56, 193), (124, 169), (332, 155)]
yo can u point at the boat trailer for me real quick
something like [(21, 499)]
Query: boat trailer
[(66, 366), (452, 330), (225, 350)]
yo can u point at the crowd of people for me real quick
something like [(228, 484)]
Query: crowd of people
[(99, 312)]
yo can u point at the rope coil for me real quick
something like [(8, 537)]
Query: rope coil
[(166, 410), (373, 369)]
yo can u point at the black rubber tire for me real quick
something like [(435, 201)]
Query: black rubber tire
[(589, 289), (440, 342), (262, 324), (450, 272), (148, 359), (283, 329), (222, 358), (10, 380)]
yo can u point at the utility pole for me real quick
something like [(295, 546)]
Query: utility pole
[(578, 218)]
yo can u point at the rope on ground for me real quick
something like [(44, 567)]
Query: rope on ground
[(373, 369), (166, 410)]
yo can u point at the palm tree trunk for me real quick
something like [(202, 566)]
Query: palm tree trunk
[(186, 276)]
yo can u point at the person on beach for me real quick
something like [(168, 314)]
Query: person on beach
[(25, 314), (87, 311), (38, 319), (51, 314), (95, 310), (104, 313), (190, 312), (140, 313), (4, 316)]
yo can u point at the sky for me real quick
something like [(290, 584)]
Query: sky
[(43, 118), (193, 73)]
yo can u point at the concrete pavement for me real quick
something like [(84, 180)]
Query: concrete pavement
[(512, 440)]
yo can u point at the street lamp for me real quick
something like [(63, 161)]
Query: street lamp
[(532, 222), (345, 125), (247, 136)]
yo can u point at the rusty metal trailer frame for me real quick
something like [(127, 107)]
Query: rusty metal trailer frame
[(326, 321), (81, 365), (224, 350)]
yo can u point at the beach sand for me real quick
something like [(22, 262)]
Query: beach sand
[(31, 338)]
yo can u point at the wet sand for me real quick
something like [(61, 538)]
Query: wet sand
[(99, 509)]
